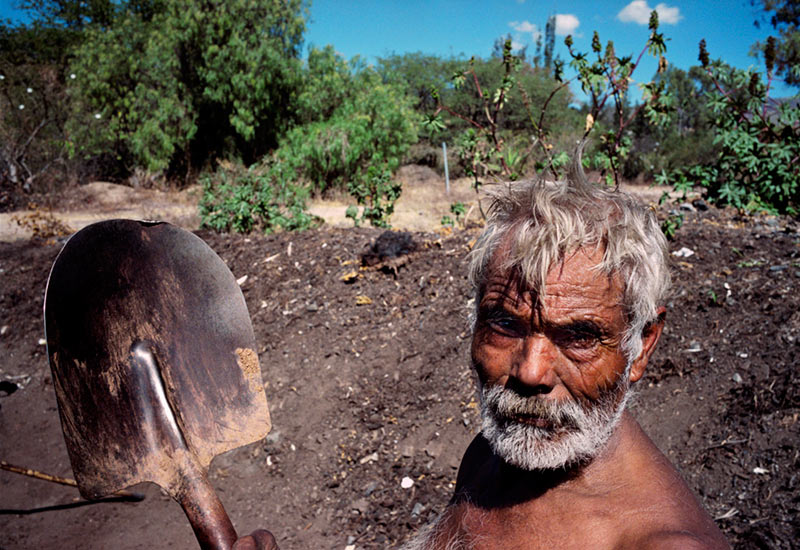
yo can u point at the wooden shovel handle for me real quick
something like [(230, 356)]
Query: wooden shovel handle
[(211, 524)]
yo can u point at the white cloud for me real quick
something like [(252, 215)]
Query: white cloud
[(638, 11), (526, 27), (523, 26), (566, 23), (668, 14), (516, 46)]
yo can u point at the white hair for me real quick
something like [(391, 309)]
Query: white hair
[(543, 222)]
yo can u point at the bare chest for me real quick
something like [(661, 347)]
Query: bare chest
[(517, 528)]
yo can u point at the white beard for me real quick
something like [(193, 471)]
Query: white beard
[(574, 434)]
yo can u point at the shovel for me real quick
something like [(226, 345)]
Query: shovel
[(154, 365)]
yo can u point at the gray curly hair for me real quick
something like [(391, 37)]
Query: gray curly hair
[(545, 221)]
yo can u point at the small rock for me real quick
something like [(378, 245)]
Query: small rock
[(374, 422), (417, 510), (360, 505), (687, 207), (3, 330), (760, 470), (42, 342), (369, 458), (683, 252), (694, 347), (407, 483), (778, 267), (241, 280), (700, 204), (737, 378)]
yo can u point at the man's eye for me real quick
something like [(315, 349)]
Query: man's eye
[(575, 339), (508, 326)]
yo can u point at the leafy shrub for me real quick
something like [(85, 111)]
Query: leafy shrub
[(356, 130), (264, 197), (485, 149), (758, 161), (377, 192), (374, 125)]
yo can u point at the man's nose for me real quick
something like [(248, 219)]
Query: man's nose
[(532, 371)]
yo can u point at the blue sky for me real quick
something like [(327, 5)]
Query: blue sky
[(469, 27)]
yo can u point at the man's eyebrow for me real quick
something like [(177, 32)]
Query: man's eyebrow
[(494, 307), (581, 325)]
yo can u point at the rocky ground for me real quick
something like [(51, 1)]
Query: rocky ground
[(368, 381)]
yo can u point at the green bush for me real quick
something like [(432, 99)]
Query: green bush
[(264, 197), (356, 130), (373, 124), (757, 165), (188, 82)]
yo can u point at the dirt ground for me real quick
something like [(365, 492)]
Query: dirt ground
[(368, 380)]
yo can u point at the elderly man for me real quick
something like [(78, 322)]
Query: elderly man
[(569, 283)]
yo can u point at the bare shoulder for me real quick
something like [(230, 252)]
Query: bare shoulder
[(665, 512)]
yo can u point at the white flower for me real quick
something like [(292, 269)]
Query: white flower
[(72, 76), (21, 107), (97, 116), (29, 90)]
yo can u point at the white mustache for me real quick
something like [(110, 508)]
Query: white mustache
[(507, 405)]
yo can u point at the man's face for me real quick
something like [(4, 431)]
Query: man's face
[(553, 378)]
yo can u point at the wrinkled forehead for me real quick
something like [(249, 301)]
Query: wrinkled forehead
[(579, 271)]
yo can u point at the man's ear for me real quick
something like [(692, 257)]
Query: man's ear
[(650, 336)]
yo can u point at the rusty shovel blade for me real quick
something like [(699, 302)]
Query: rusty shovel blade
[(154, 364)]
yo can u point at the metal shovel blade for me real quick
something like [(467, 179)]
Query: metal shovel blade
[(154, 364)]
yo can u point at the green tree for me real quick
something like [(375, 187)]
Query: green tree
[(686, 139), (173, 88), (72, 14), (33, 104), (422, 74), (549, 42), (784, 16)]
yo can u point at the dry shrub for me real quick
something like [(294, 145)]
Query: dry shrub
[(42, 223)]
